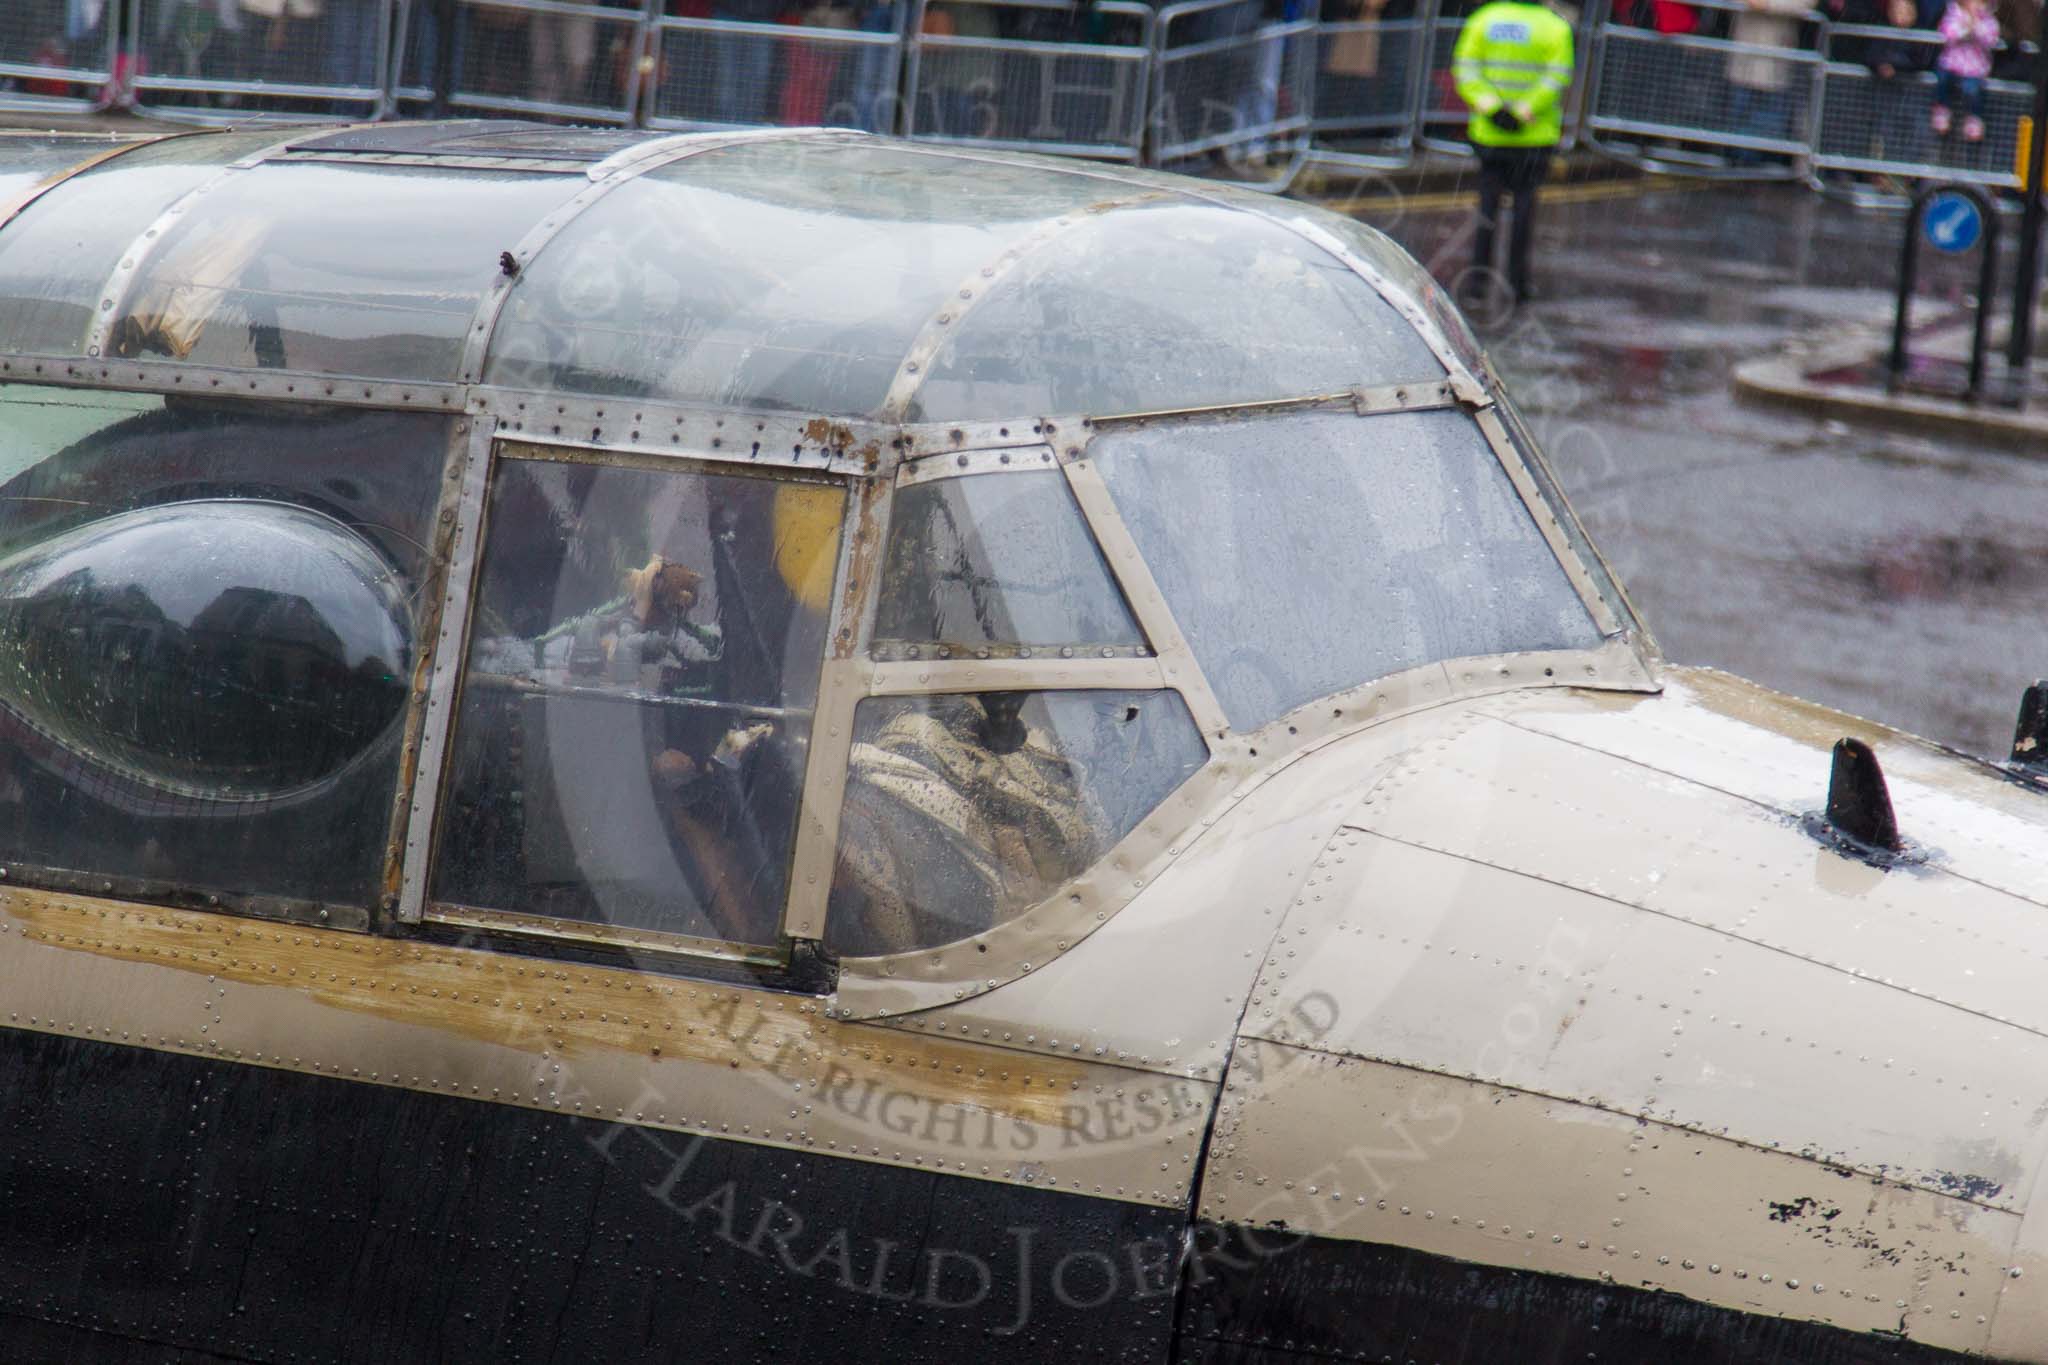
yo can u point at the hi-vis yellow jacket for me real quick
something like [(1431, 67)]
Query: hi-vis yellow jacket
[(1518, 54)]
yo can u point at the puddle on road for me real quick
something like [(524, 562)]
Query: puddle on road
[(1938, 566)]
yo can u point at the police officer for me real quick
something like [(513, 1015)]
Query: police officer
[(1512, 65)]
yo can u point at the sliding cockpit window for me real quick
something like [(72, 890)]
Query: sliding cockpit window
[(643, 661)]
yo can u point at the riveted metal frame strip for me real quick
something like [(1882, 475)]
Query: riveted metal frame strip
[(607, 175), (159, 376), (578, 933), (841, 685), (899, 652), (1176, 660), (1024, 459), (11, 207), (536, 165), (727, 435), (816, 853), (922, 440), (114, 293), (930, 450), (1532, 454), (430, 593), (1545, 516), (1365, 401), (451, 647), (1404, 398), (920, 444), (30, 879)]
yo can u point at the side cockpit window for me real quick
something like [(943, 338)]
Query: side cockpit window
[(966, 809), (643, 661), (996, 562), (206, 648)]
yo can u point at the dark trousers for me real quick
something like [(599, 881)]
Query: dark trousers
[(1968, 91), (1517, 172)]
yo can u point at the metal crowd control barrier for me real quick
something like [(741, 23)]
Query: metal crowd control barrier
[(1870, 125), (1441, 119), (564, 59), (1112, 79), (966, 83), (56, 55), (1672, 101), (1226, 78), (722, 73), (203, 61), (1370, 78)]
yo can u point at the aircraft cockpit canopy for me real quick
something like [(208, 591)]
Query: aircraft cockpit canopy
[(741, 549)]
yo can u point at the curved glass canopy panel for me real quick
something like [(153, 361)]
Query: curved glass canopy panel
[(334, 269), (1165, 305), (782, 274), (56, 258), (1374, 247), (218, 648), (1310, 552), (1402, 271), (27, 159)]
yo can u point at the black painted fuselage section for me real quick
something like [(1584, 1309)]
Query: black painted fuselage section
[(162, 1207)]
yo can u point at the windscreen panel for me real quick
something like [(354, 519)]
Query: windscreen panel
[(643, 664), (56, 258), (964, 810), (208, 625), (783, 274), (987, 563), (371, 271), (1307, 553), (1170, 305)]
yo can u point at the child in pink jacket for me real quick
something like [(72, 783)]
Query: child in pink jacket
[(1969, 31)]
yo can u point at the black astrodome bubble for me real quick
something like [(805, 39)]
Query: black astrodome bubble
[(226, 649)]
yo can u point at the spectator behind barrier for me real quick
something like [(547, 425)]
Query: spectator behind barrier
[(1760, 98), (2020, 21), (1893, 133), (1969, 32)]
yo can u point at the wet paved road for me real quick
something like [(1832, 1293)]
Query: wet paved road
[(1900, 576)]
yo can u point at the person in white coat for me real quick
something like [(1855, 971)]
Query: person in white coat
[(1762, 98)]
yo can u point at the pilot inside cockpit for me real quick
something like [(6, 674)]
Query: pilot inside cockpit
[(958, 809), (642, 638)]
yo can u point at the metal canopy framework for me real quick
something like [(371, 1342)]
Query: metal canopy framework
[(872, 312)]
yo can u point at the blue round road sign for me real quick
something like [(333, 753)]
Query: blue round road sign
[(1952, 222)]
